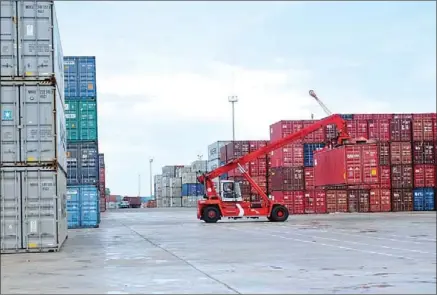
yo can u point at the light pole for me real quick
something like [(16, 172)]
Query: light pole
[(233, 99), (151, 178)]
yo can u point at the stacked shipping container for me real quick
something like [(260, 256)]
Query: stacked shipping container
[(102, 182), (84, 172), (33, 135)]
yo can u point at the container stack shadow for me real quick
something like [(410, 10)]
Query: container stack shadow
[(33, 172)]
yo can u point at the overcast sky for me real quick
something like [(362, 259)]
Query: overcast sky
[(165, 70)]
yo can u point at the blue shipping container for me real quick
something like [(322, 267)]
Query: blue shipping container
[(80, 76), (83, 208), (192, 189), (347, 116), (308, 150), (82, 163), (424, 199)]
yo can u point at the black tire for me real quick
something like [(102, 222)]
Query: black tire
[(279, 214), (211, 214)]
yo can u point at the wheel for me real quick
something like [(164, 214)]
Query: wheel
[(279, 214), (211, 214)]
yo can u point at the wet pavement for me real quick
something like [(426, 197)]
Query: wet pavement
[(162, 251)]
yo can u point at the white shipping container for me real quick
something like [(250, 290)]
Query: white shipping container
[(180, 171), (33, 128), (165, 191), (165, 181), (176, 201), (199, 166), (175, 191), (31, 43), (175, 182), (189, 177), (33, 209), (157, 178), (190, 201), (214, 149), (213, 164), (169, 171)]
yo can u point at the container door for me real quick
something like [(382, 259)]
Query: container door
[(73, 207), (89, 206), (10, 209), (9, 60), (40, 203), (10, 121)]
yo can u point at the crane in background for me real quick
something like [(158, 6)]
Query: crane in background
[(324, 107)]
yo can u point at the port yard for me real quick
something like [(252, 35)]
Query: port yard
[(146, 251)]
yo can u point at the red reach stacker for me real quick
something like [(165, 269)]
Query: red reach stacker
[(228, 202)]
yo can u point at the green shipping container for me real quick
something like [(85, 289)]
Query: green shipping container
[(81, 119)]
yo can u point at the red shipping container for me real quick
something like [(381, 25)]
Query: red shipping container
[(330, 132), (423, 128), (424, 176), (223, 154), (358, 200), (402, 176), (111, 198), (363, 116), (423, 152), (315, 201), (385, 176), (309, 178), (400, 130), (102, 174), (336, 201), (290, 155), (316, 136), (293, 200), (357, 128), (282, 129), (102, 204), (384, 153), (382, 116), (261, 181), (347, 165), (286, 179), (237, 172), (380, 200), (379, 129), (402, 200), (258, 167), (237, 149), (400, 153), (402, 116)]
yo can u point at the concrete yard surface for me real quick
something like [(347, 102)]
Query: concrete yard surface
[(158, 251)]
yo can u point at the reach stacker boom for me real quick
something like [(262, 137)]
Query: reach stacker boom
[(228, 202)]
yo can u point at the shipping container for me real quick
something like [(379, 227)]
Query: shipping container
[(134, 202), (287, 179), (31, 43), (102, 178), (80, 77), (402, 200), (385, 176), (363, 116), (424, 199), (402, 176), (309, 178), (316, 136), (102, 204), (199, 166), (192, 189), (190, 201), (308, 150), (423, 152), (282, 129), (336, 201), (424, 176), (169, 171), (176, 201), (175, 182), (358, 200), (400, 129), (423, 127), (347, 165), (357, 128), (293, 200), (190, 177), (379, 129), (401, 153), (101, 160), (213, 164), (181, 170), (380, 200), (83, 166), (347, 117), (33, 209), (237, 149), (384, 153), (83, 206), (214, 150), (81, 119), (315, 201), (33, 130), (291, 155)]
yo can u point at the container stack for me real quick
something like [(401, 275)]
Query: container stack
[(33, 133), (102, 182), (214, 156), (292, 172), (192, 190), (257, 169), (394, 171), (82, 135)]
